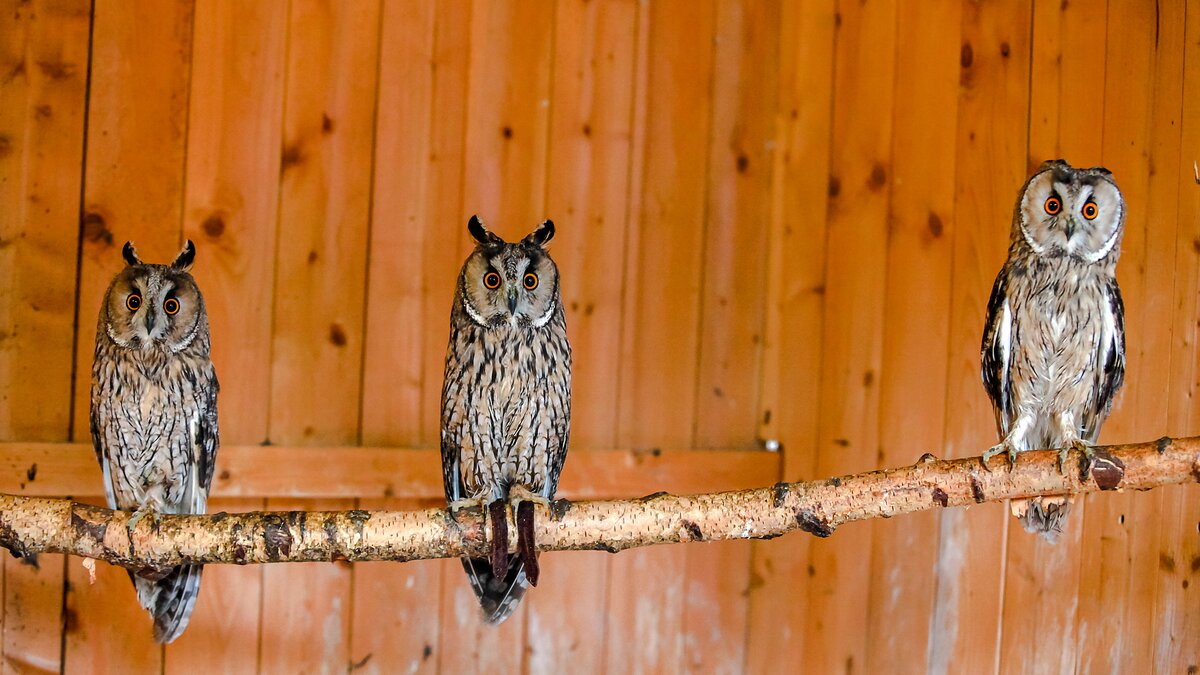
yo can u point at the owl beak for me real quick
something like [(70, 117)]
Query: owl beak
[(512, 301), (1070, 228), (151, 319)]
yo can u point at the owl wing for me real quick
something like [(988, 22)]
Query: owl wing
[(98, 446), (559, 408), (1111, 359), (996, 353), (207, 435)]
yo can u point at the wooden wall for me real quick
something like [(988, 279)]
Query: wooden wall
[(777, 220)]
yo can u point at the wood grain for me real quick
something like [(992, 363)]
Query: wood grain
[(916, 322), (44, 58), (855, 274), (990, 166), (324, 211)]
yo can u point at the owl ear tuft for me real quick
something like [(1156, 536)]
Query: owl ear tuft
[(129, 253), (183, 262), (477, 229), (543, 234)]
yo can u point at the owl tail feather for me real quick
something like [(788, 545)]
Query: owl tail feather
[(1042, 515), (498, 596), (170, 600)]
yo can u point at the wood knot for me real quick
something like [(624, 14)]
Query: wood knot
[(940, 497), (1107, 471), (810, 523), (779, 492)]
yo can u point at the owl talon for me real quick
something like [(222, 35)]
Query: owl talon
[(1085, 465), (1004, 447), (525, 541), (499, 520)]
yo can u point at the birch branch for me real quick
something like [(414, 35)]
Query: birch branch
[(153, 544)]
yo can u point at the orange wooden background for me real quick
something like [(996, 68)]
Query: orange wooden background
[(777, 220)]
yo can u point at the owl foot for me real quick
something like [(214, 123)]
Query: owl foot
[(469, 502), (1005, 446), (1086, 449), (526, 547), (520, 493), (498, 517)]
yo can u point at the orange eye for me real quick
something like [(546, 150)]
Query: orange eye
[(133, 302), (530, 281), (171, 306), (491, 280), (1090, 210), (1053, 206)]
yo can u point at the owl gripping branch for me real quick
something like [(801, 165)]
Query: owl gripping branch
[(156, 543)]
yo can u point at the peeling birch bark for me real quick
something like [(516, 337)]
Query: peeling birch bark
[(35, 525)]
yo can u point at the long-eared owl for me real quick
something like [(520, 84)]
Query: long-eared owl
[(506, 402), (1054, 342), (154, 411)]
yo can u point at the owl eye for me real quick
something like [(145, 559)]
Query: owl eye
[(1090, 210), (1053, 205), (171, 306), (133, 302), (491, 280), (530, 281)]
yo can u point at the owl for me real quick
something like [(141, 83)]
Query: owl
[(154, 412), (506, 402), (1054, 342)]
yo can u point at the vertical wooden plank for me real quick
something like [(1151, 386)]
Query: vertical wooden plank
[(990, 166), (305, 622), (1042, 579), (408, 242), (587, 195), (233, 168), (324, 207), (1177, 611), (393, 627), (658, 373), (44, 59), (856, 262), (745, 96), (796, 263), (222, 635), (916, 318), (732, 296), (1120, 557), (509, 116)]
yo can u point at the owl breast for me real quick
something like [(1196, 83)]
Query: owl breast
[(146, 414), (1060, 332), (505, 409)]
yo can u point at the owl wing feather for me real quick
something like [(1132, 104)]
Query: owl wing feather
[(997, 353), (1111, 359)]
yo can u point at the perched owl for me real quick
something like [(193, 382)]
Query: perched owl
[(154, 412), (506, 402), (1054, 342)]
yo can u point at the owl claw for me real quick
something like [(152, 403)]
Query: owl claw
[(499, 520), (1084, 448), (525, 541), (1003, 447)]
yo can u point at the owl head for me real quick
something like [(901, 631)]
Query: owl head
[(153, 306), (1064, 211), (509, 284)]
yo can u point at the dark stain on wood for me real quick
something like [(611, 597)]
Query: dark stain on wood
[(810, 523), (1107, 470), (743, 162), (292, 155), (835, 186), (95, 229), (31, 472), (878, 177), (276, 537), (214, 225), (779, 492), (1166, 562), (966, 55), (57, 70), (337, 335), (936, 229), (940, 497), (977, 490)]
